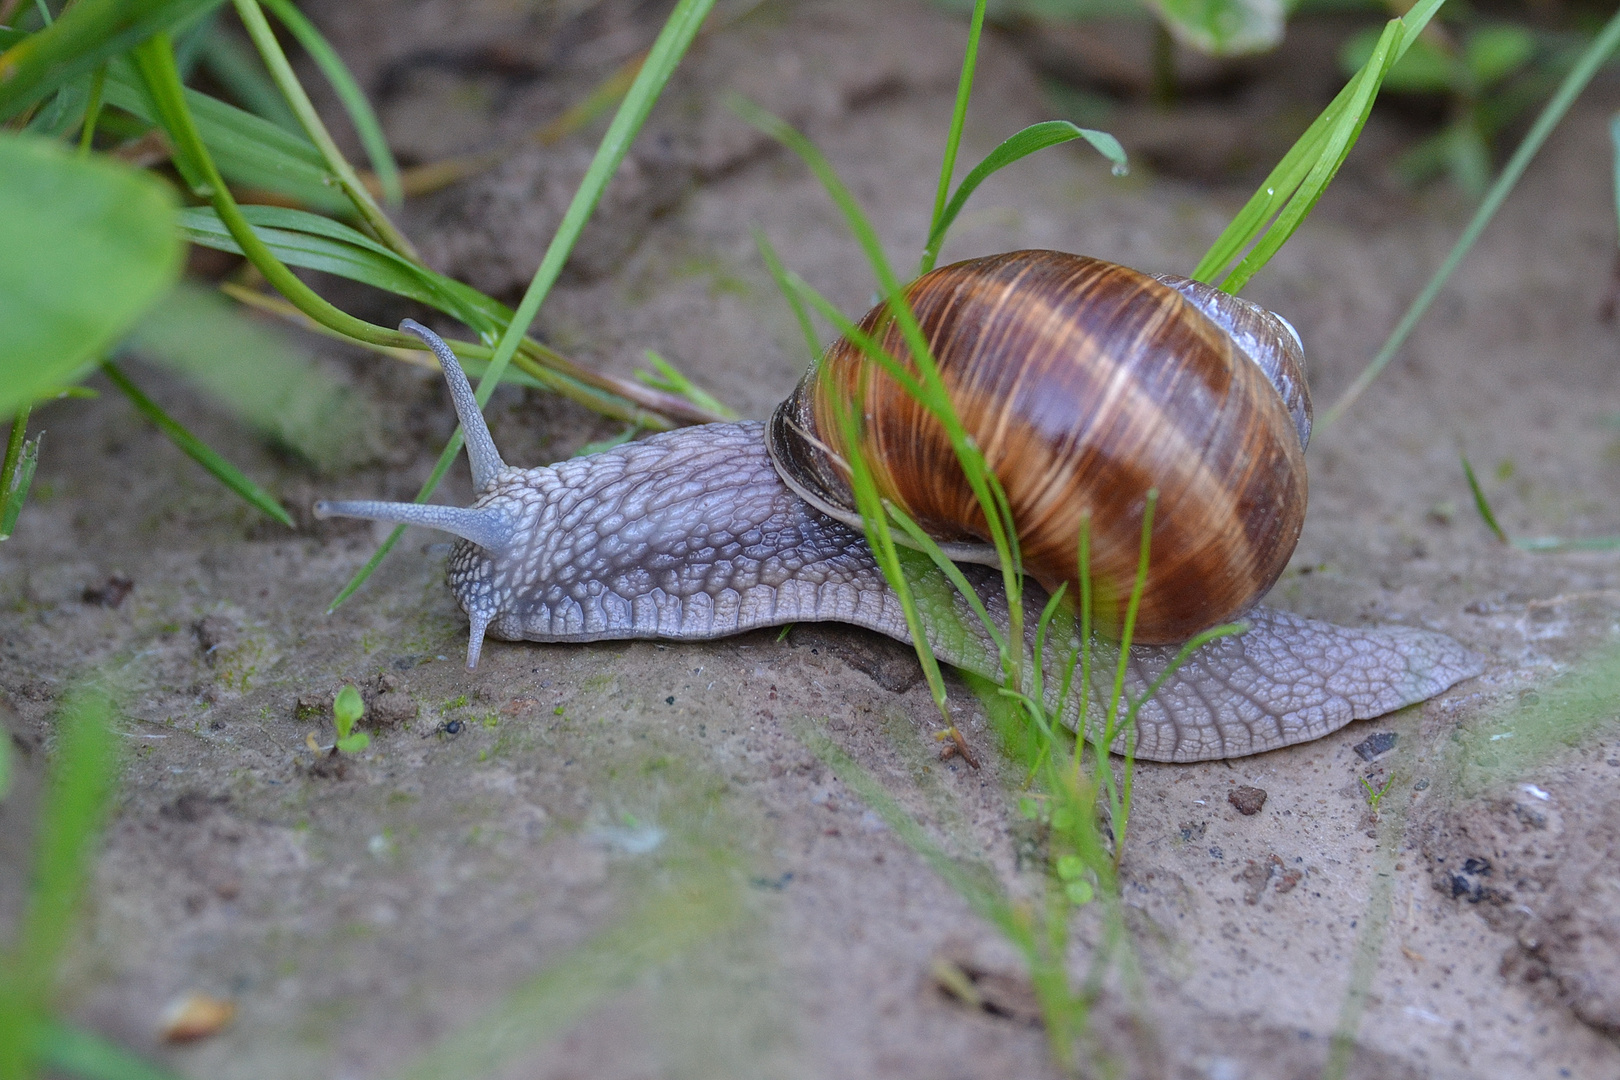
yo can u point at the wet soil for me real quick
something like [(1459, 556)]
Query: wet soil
[(625, 860)]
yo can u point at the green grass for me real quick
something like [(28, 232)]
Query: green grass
[(77, 794)]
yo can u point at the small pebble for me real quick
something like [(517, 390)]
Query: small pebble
[(1379, 742), (111, 593), (195, 1016), (1247, 800)]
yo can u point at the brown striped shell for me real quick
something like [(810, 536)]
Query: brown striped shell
[(1085, 384)]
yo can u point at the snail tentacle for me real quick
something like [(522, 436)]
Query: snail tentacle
[(482, 456)]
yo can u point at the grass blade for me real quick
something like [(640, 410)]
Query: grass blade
[(1312, 161), (780, 275), (1482, 504), (154, 60), (299, 238), (73, 1051), (361, 115), (17, 477), (672, 380), (1614, 138), (953, 140), (258, 29), (1602, 47), (1531, 543), (1021, 145), (250, 150), (933, 395), (242, 75), (196, 449), (83, 772), (86, 35), (673, 41)]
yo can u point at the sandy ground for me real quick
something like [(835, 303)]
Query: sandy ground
[(622, 860)]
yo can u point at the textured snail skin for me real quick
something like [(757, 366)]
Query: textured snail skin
[(691, 535)]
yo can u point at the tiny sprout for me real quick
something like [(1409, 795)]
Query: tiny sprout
[(346, 710), (1376, 795)]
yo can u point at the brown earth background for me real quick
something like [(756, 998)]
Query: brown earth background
[(626, 862)]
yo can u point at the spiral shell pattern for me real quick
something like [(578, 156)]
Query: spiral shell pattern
[(1084, 384)]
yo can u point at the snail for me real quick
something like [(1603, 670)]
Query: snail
[(1084, 384)]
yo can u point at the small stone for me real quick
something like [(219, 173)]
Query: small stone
[(195, 1016), (1379, 742), (1469, 882), (1248, 801), (215, 634), (392, 709), (110, 593)]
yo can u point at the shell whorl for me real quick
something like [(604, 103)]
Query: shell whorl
[(1085, 384)]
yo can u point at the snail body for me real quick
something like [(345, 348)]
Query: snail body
[(714, 530)]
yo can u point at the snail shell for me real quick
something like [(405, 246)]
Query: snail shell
[(1084, 384)]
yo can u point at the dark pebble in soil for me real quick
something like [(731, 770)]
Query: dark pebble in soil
[(110, 593), (1247, 800), (1379, 742), (1469, 882)]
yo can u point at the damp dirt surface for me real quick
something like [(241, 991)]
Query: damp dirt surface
[(624, 860)]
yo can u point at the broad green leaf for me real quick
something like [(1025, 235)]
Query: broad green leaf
[(196, 449), (353, 744), (86, 246), (260, 375), (1223, 27), (87, 34)]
